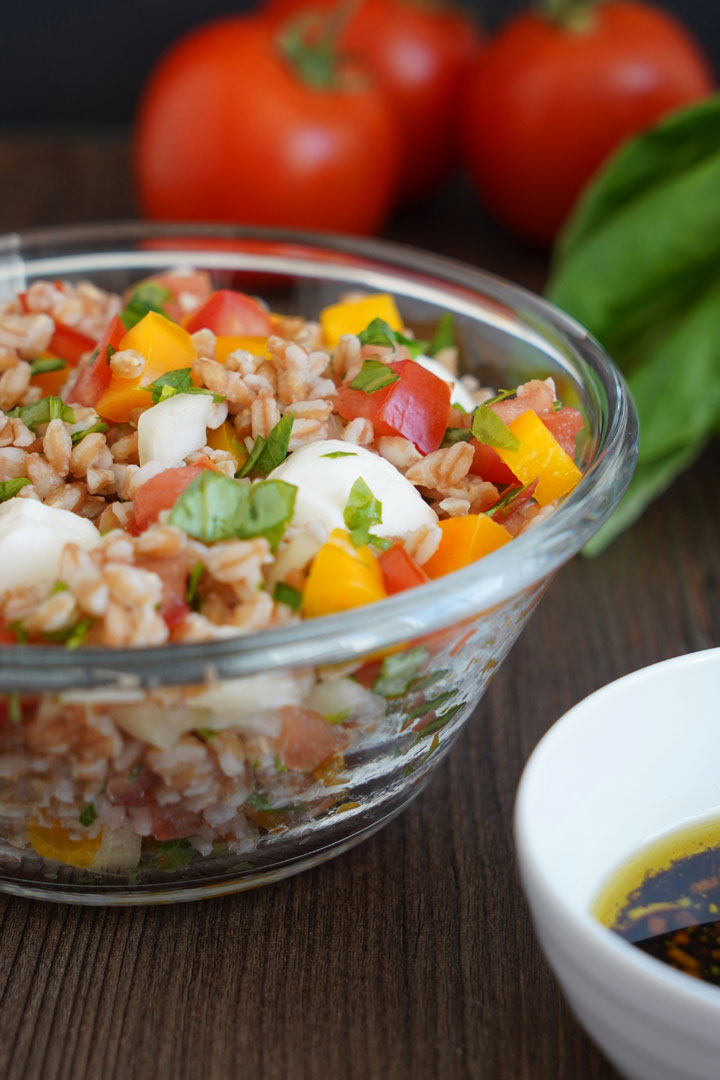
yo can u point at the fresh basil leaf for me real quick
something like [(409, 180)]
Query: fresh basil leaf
[(378, 332), (431, 705), (42, 364), (415, 346), (488, 428), (148, 296), (78, 634), (88, 815), (444, 337), (361, 512), (398, 671), (78, 436), (340, 453), (506, 499), (192, 599), (373, 376), (286, 594), (501, 396), (382, 543), (216, 507), (14, 707), (266, 454), (176, 382), (43, 411), (10, 488), (21, 634), (455, 435), (205, 733)]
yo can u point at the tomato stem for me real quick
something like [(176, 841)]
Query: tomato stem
[(310, 44), (573, 14)]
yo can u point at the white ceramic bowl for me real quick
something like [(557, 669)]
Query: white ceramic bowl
[(631, 762)]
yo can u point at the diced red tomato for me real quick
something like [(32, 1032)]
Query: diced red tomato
[(173, 574), (368, 673), (502, 515), (70, 344), (6, 636), (399, 570), (229, 313), (564, 425), (189, 284), (416, 406), (173, 822), (131, 788), (306, 739), (488, 464), (160, 493), (93, 379), (535, 395)]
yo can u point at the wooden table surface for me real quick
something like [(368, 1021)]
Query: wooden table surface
[(412, 955)]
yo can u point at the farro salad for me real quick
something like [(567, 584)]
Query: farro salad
[(180, 465)]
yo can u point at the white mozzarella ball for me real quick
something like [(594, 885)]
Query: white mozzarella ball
[(32, 538)]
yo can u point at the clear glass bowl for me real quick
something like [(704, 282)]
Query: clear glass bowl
[(454, 632)]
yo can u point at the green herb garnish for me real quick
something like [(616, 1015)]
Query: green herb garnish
[(205, 733), (10, 488), (286, 594), (506, 499), (432, 705), (78, 436), (266, 454), (88, 815), (71, 637), (502, 395), (382, 543), (14, 707), (444, 337), (21, 634), (43, 411), (373, 376), (176, 382), (340, 453), (192, 599), (170, 854), (361, 512), (440, 721), (338, 717), (398, 671), (378, 332), (42, 364), (215, 507), (455, 435), (148, 296), (488, 428)]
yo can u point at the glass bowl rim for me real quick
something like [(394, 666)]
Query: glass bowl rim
[(506, 573)]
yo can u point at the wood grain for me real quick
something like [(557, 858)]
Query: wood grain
[(412, 955)]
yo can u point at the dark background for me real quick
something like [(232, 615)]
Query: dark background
[(83, 62)]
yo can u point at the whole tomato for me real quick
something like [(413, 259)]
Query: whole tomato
[(422, 55), (229, 129), (553, 98)]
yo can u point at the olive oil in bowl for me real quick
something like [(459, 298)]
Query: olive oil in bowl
[(666, 901)]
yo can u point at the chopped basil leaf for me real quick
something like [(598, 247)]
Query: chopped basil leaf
[(557, 406), (286, 594), (14, 707), (216, 507), (382, 543), (191, 593), (266, 454), (205, 733), (428, 680), (78, 436), (338, 717), (60, 586), (176, 382), (170, 854), (440, 721), (373, 376), (110, 351), (88, 815), (42, 364), (500, 396), (398, 671), (432, 705), (378, 332), (258, 800), (444, 335), (19, 631), (488, 428), (136, 771), (455, 435), (509, 496), (10, 488), (78, 634), (361, 512), (340, 453), (148, 296), (43, 411)]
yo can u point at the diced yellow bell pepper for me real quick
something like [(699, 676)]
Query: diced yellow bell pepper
[(342, 577), (165, 346), (224, 345), (541, 458), (464, 540), (354, 315), (54, 842), (224, 438)]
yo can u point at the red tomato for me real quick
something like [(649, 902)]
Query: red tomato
[(173, 575), (564, 425), (94, 378), (306, 739), (550, 101), (422, 56), (228, 130), (488, 464), (231, 313), (161, 492), (187, 287), (399, 571), (416, 406), (70, 344)]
